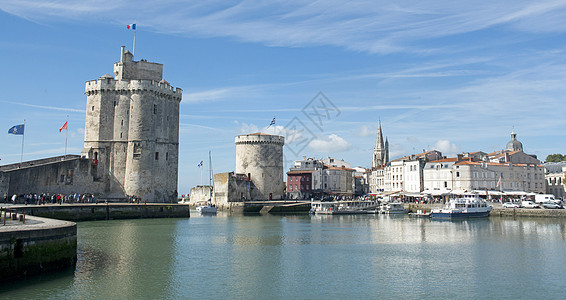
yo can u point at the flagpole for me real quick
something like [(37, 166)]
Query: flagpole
[(66, 135), (134, 47), (201, 174), (23, 135)]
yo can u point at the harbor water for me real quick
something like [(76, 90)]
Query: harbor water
[(310, 257)]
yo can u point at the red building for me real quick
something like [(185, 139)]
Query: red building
[(299, 184)]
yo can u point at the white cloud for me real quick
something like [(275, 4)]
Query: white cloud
[(245, 128), (447, 148), (331, 144)]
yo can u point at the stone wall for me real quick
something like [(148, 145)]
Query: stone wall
[(230, 188), (32, 249), (111, 211), (200, 194), (59, 177)]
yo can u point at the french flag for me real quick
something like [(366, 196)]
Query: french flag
[(131, 26)]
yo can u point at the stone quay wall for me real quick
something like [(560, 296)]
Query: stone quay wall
[(41, 245), (110, 211)]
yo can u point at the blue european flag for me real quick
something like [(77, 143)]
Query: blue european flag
[(18, 129)]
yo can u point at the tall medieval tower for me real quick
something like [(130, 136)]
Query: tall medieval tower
[(132, 131), (381, 150)]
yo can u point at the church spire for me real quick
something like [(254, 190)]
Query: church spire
[(379, 140), (381, 150)]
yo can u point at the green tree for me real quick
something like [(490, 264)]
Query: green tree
[(555, 158)]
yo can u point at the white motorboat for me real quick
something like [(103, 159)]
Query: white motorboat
[(469, 207), (207, 209), (393, 208)]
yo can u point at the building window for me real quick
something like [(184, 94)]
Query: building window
[(156, 155), (92, 108), (457, 174), (166, 155), (155, 109)]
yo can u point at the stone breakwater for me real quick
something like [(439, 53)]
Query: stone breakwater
[(40, 245)]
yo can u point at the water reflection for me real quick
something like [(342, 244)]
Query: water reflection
[(302, 256)]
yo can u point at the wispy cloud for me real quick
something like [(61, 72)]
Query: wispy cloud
[(46, 107), (370, 26)]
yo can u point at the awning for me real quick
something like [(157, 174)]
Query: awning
[(436, 192)]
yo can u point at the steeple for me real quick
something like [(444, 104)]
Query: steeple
[(381, 150), (379, 140)]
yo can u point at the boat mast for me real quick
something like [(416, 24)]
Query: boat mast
[(210, 182)]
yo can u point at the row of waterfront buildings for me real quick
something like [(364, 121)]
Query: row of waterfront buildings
[(509, 171)]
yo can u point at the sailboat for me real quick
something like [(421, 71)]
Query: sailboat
[(209, 208)]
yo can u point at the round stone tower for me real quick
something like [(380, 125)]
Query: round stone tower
[(132, 131), (260, 157)]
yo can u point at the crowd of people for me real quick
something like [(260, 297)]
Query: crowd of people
[(49, 198)]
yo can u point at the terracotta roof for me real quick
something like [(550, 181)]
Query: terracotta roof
[(337, 168), (451, 159)]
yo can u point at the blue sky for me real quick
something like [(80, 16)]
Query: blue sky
[(455, 77)]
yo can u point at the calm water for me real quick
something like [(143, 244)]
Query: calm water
[(310, 257)]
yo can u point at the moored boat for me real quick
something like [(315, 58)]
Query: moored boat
[(393, 208), (207, 209), (420, 213), (463, 208), (343, 207)]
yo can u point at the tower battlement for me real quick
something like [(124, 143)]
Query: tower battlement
[(259, 138), (111, 85)]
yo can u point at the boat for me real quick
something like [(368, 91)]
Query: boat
[(467, 207), (393, 208), (344, 207), (206, 209), (420, 213)]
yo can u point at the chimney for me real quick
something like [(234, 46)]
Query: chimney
[(459, 157)]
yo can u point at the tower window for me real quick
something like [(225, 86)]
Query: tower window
[(166, 155), (137, 151), (114, 103), (156, 155), (155, 109), (93, 108)]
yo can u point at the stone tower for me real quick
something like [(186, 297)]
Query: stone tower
[(132, 131), (260, 156), (381, 150)]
